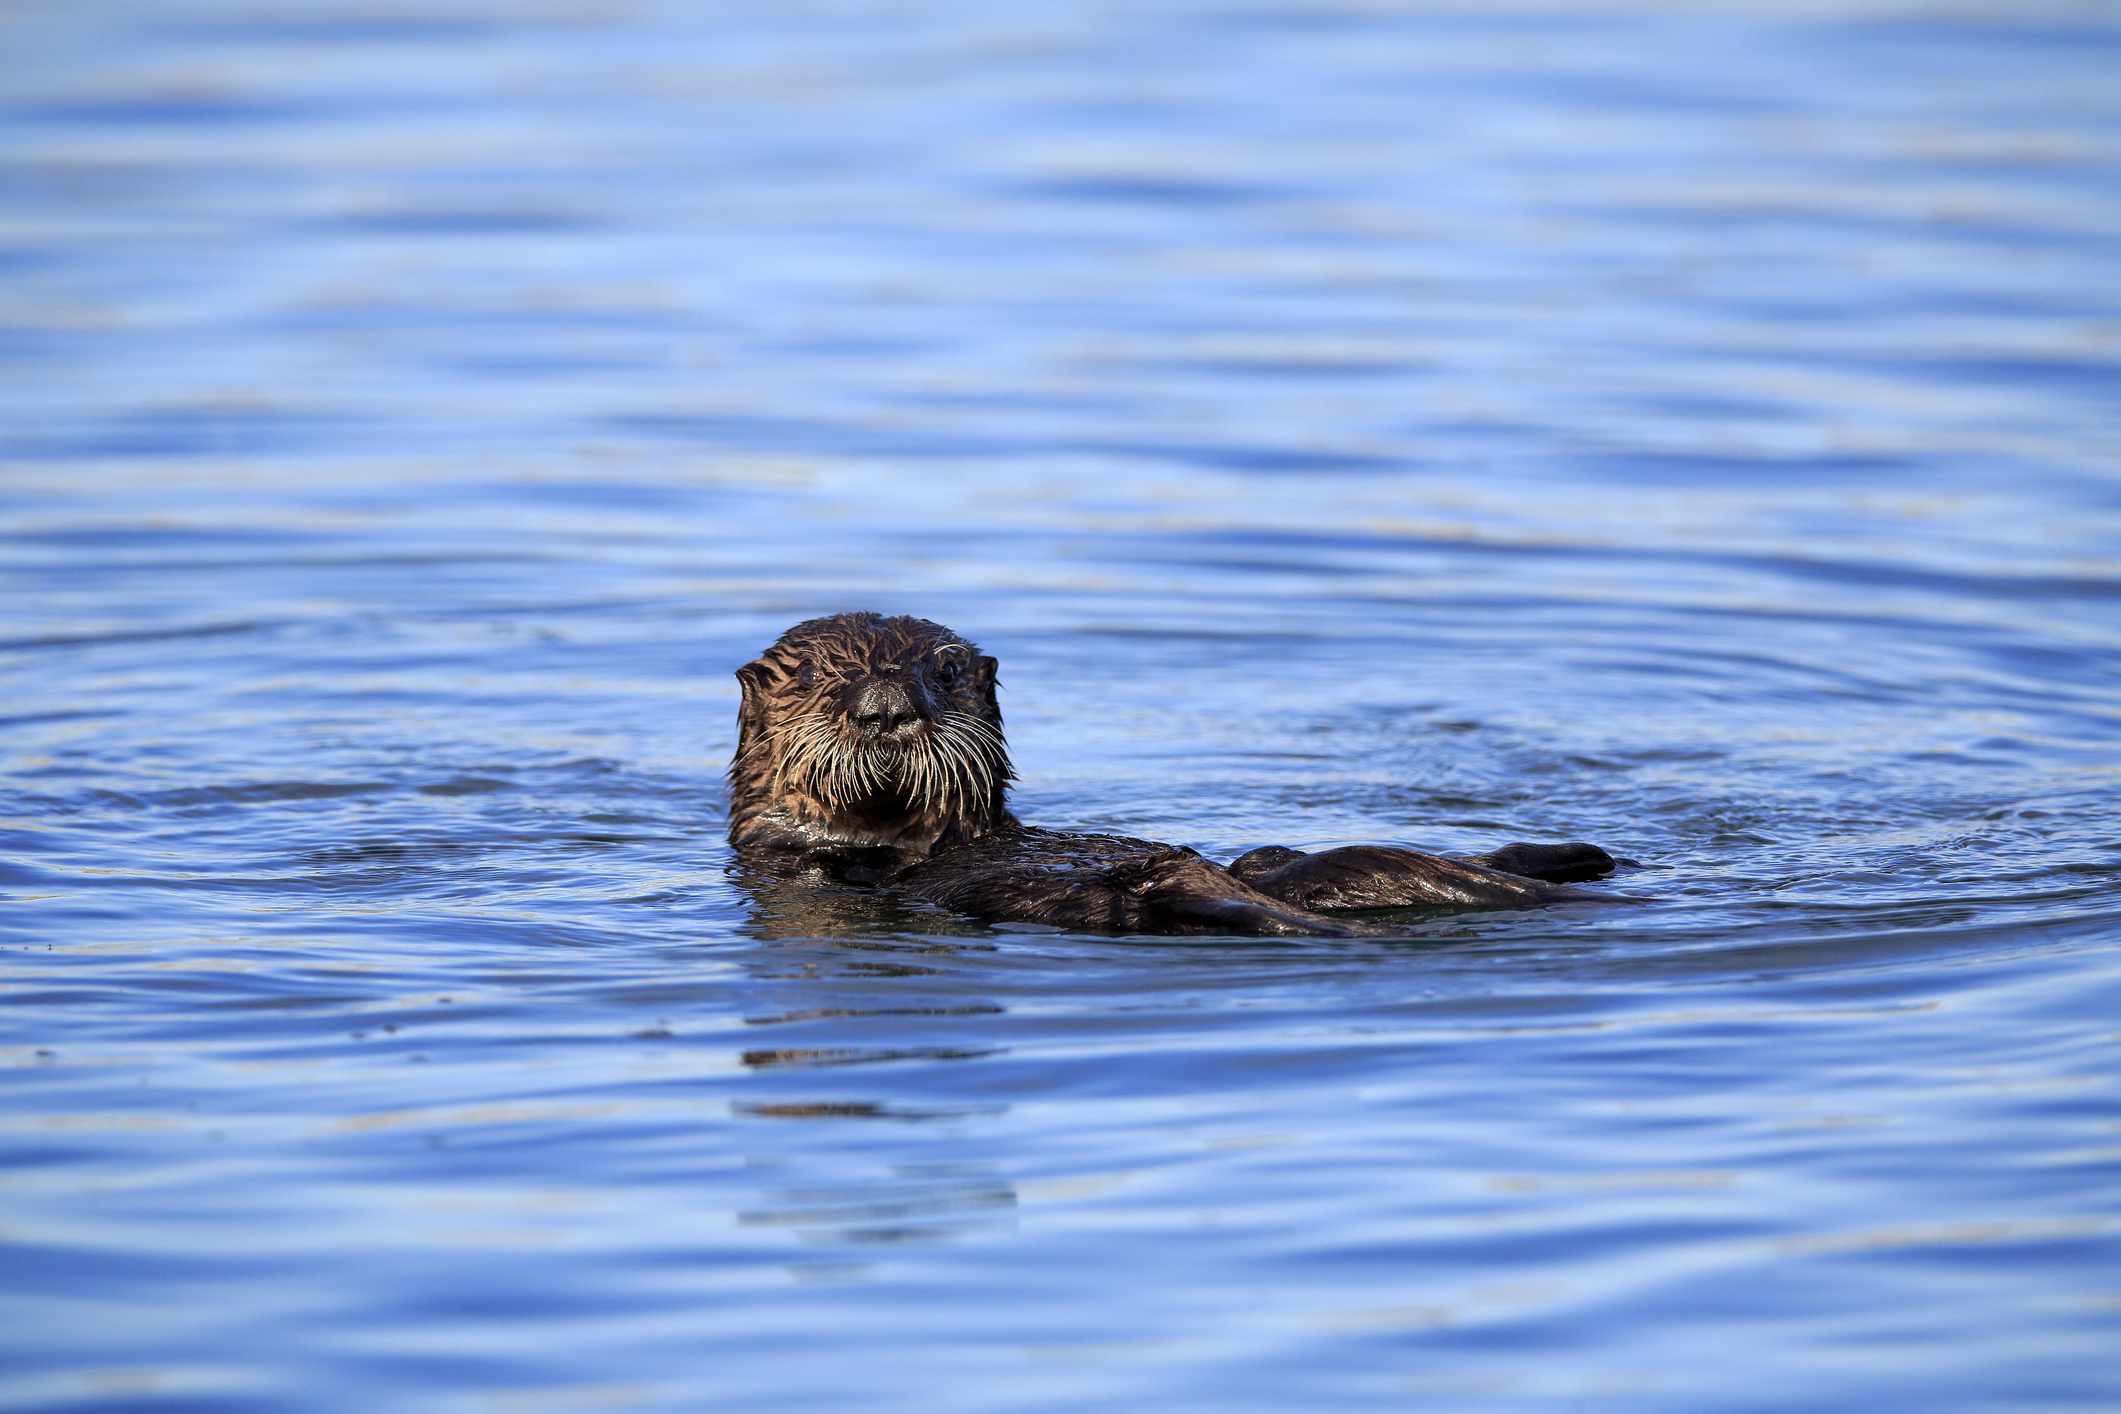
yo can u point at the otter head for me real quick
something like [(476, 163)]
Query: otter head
[(861, 730)]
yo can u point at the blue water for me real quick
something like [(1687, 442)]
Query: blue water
[(1692, 430)]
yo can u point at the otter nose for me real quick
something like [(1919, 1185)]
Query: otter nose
[(882, 707)]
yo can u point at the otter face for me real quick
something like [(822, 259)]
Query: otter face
[(870, 731)]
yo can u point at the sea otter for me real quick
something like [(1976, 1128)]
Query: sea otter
[(870, 749)]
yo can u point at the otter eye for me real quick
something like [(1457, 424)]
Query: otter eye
[(805, 674), (950, 661)]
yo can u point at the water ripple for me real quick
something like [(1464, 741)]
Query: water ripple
[(1690, 430)]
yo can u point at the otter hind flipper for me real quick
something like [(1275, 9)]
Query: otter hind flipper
[(1574, 863), (1386, 876)]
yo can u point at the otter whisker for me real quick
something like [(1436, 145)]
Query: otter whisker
[(916, 778), (799, 743), (933, 782), (969, 767), (947, 772), (964, 771), (976, 755)]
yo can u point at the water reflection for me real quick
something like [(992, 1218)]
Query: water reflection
[(824, 1013), (783, 907), (862, 1109), (910, 1203), (853, 1055), (906, 1027)]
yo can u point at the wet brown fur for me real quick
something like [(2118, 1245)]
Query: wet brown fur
[(923, 809), (789, 733)]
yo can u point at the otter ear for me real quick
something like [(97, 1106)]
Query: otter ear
[(983, 670), (751, 713)]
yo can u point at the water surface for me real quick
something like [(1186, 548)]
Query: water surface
[(1693, 432)]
